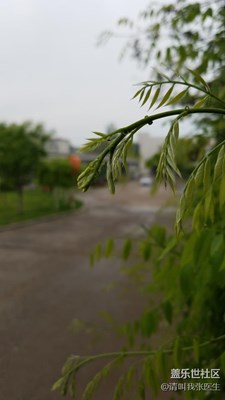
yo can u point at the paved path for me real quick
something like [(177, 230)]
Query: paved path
[(46, 282)]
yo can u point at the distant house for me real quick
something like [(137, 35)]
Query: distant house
[(148, 146), (59, 148)]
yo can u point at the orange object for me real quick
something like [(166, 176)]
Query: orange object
[(75, 162)]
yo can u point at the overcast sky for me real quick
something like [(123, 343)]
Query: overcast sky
[(53, 72)]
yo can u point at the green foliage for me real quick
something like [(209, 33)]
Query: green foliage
[(152, 162), (188, 152), (191, 283), (182, 274), (37, 204), (188, 27), (195, 37), (204, 191), (56, 173), (187, 271), (21, 151), (117, 143), (167, 97)]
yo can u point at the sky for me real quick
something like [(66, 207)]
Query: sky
[(53, 72)]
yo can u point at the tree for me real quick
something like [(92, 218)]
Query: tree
[(21, 151), (186, 33), (57, 175), (181, 35)]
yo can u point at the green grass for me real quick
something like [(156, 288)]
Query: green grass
[(36, 205)]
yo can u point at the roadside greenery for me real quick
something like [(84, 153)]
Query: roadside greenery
[(59, 177), (37, 203), (32, 186), (188, 268), (182, 273), (21, 151)]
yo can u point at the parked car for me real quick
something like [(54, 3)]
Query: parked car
[(145, 181)]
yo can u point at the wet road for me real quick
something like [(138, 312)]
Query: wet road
[(46, 282)]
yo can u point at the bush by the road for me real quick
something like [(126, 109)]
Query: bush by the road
[(37, 203)]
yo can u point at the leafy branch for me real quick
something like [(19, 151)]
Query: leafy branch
[(117, 144), (208, 180), (67, 383), (167, 100)]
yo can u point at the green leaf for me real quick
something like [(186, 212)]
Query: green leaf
[(126, 148), (119, 389), (109, 177), (129, 378), (141, 389), (201, 102), (198, 218), (158, 233), (155, 97), (208, 206), (176, 129), (168, 311), (109, 247), (150, 376), (137, 93), (92, 386), (103, 135), (222, 193), (198, 78), (218, 169), (93, 143), (142, 94), (166, 97), (58, 384), (171, 162), (146, 251), (186, 281), (169, 247), (73, 389), (199, 175), (161, 365), (147, 96), (170, 177), (207, 174), (70, 364), (188, 251), (127, 247), (149, 323), (189, 193), (207, 13), (178, 97), (217, 245)]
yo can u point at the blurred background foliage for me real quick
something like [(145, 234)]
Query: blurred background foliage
[(27, 176), (182, 277)]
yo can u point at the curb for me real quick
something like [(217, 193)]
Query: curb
[(36, 221)]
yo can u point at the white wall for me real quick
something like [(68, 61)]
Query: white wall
[(148, 146)]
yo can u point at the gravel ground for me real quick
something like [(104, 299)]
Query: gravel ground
[(46, 282)]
